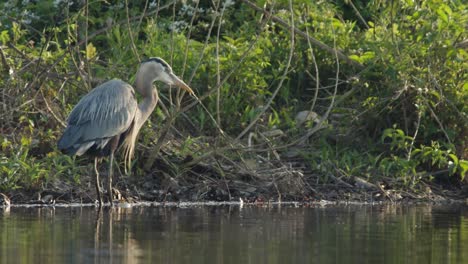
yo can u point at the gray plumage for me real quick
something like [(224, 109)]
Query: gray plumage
[(109, 116), (108, 110)]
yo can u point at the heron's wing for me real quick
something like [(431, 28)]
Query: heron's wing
[(108, 110)]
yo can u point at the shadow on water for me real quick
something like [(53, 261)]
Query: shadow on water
[(230, 234)]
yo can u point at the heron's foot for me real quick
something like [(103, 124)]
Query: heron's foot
[(117, 194), (99, 194), (114, 195)]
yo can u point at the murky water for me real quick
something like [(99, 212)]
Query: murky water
[(230, 234)]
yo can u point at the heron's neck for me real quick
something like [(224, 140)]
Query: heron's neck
[(144, 82), (147, 105), (144, 86)]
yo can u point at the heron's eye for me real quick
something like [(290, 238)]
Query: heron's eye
[(166, 68)]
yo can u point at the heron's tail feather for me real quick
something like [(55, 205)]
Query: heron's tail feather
[(129, 146)]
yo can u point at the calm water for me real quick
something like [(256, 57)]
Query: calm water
[(229, 234)]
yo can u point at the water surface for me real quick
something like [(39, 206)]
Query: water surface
[(230, 234)]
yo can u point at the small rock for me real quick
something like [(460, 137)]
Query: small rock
[(305, 116)]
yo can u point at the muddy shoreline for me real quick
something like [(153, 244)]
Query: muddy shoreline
[(203, 183), (84, 195), (182, 204)]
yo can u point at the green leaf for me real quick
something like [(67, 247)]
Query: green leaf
[(367, 56), (454, 159), (356, 58), (463, 168), (442, 15), (415, 152), (400, 132), (387, 133), (25, 141), (4, 37), (90, 51), (447, 9), (435, 94)]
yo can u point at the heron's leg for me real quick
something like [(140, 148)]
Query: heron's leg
[(98, 188), (109, 179)]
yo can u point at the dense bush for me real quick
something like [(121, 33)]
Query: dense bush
[(397, 111)]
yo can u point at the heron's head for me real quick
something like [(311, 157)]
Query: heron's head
[(162, 71)]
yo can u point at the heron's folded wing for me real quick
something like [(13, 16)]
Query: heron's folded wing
[(106, 111)]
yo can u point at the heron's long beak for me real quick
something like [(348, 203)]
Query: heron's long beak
[(181, 84)]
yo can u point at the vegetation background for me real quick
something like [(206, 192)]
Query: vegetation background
[(299, 99)]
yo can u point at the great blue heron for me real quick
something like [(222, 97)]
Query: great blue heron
[(109, 116)]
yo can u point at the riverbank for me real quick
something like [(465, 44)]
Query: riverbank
[(204, 185)]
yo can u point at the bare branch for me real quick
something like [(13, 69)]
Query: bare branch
[(280, 84)]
